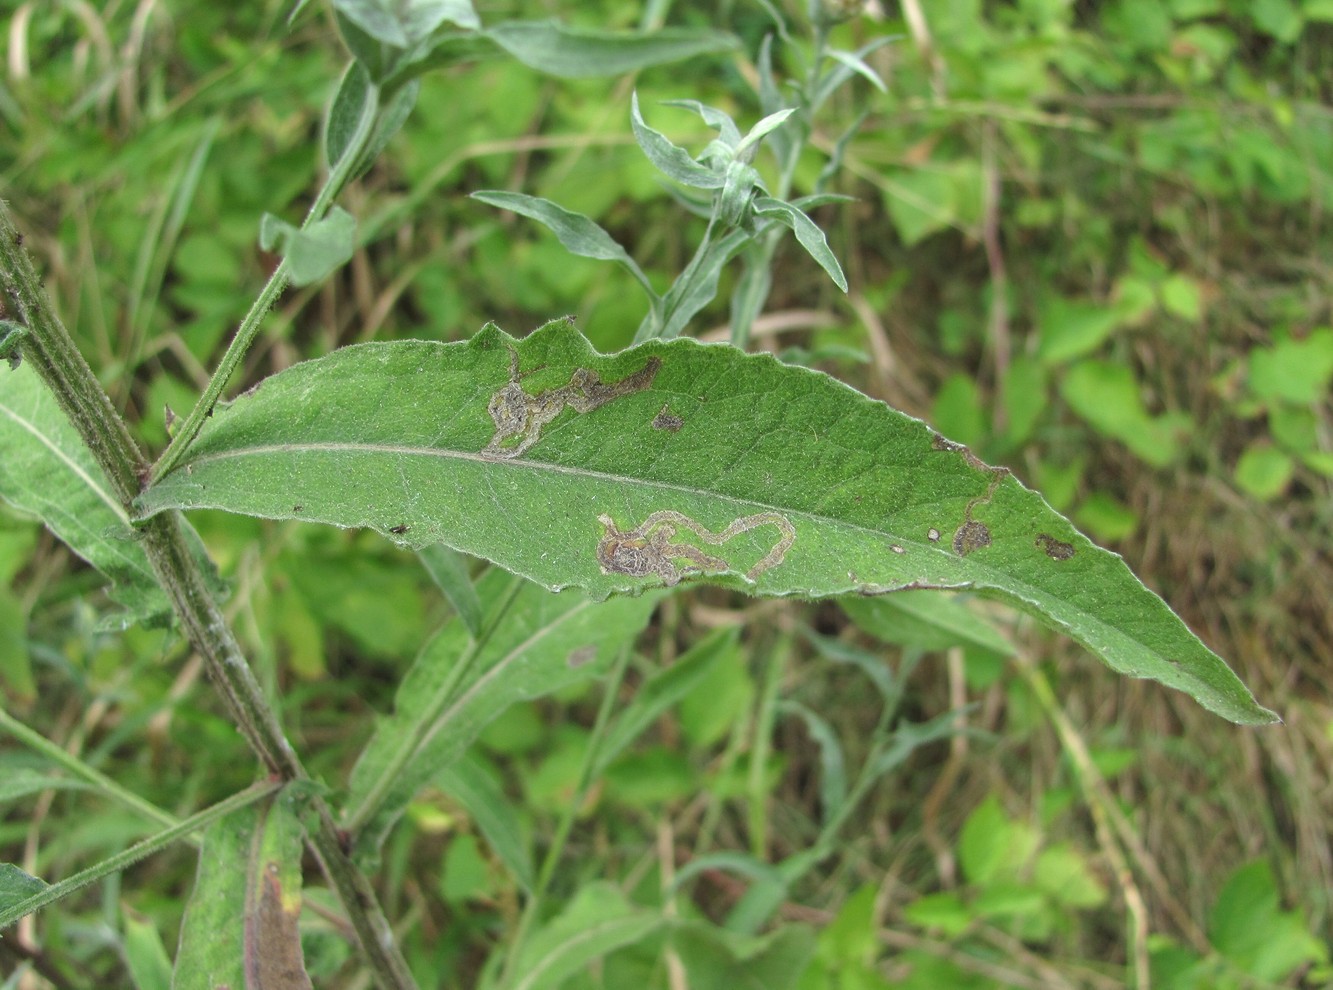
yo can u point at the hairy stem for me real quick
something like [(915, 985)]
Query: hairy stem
[(57, 360)]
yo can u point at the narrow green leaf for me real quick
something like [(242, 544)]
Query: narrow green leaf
[(757, 133), (47, 471), (312, 252), (16, 677), (449, 572), (807, 232), (576, 53), (11, 911), (538, 644), (356, 101), (717, 119), (668, 461), (832, 764), (404, 22), (20, 783), (661, 691), (856, 64), (908, 737), (670, 158), (598, 920), (749, 296), (697, 286), (273, 957), (887, 682), (471, 785), (212, 939), (17, 886), (145, 955), (929, 620), (579, 234), (849, 63), (717, 958)]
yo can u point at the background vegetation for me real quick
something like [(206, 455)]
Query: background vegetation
[(1089, 240)]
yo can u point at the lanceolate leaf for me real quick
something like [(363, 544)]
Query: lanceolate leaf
[(240, 925), (45, 469), (669, 461), (532, 643), (579, 234), (576, 53)]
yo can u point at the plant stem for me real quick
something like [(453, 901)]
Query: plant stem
[(78, 768), (57, 360), (189, 428), (136, 852)]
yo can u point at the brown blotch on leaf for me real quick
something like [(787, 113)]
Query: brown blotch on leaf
[(517, 414), (940, 442), (667, 421), (1053, 548), (972, 535), (582, 656)]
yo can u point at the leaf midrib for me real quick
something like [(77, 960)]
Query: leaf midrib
[(69, 462), (1002, 581)]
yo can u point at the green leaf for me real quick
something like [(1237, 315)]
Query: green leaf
[(405, 22), (1249, 928), (1106, 395), (535, 643), (807, 232), (929, 620), (993, 848), (312, 252), (576, 53), (696, 287), (212, 940), (449, 572), (719, 120), (240, 925), (598, 920), (857, 64), (717, 959), (17, 886), (471, 785), (1071, 328), (832, 763), (1264, 471), (576, 232), (47, 471), (145, 955), (356, 100), (561, 465), (15, 663), (1294, 370), (757, 133), (22, 782), (670, 158), (661, 691)]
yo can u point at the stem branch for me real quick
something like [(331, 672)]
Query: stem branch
[(57, 360)]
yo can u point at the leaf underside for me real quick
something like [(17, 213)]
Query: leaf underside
[(672, 460)]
